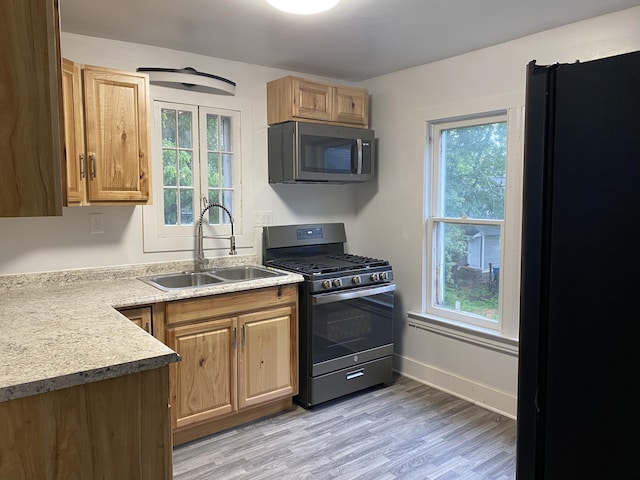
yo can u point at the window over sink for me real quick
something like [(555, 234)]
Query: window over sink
[(197, 156), (197, 162)]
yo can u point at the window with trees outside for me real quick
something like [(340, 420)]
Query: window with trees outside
[(466, 218), (200, 150)]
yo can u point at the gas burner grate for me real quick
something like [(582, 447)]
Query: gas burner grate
[(301, 266), (359, 261), (328, 264)]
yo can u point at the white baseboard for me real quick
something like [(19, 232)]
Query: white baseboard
[(481, 395)]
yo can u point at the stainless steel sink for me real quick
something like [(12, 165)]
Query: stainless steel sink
[(182, 280), (249, 272), (177, 281)]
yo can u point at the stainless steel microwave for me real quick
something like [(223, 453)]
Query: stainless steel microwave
[(318, 153)]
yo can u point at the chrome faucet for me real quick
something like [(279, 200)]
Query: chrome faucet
[(200, 260)]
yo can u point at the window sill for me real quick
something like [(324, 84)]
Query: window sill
[(466, 333)]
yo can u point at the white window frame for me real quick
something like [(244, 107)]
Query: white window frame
[(509, 283), (158, 237)]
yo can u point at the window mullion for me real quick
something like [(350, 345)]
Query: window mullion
[(203, 160)]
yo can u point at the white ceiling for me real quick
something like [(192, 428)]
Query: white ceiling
[(356, 40)]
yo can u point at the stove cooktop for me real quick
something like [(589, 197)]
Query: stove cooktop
[(316, 251), (323, 264), (337, 272)]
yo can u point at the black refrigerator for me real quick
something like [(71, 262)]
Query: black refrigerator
[(579, 363)]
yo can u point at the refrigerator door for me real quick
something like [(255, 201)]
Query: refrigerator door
[(533, 302), (579, 365)]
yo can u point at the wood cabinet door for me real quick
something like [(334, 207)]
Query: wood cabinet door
[(203, 385), (75, 162), (31, 117), (267, 356), (311, 100), (140, 316), (351, 105), (115, 428), (116, 135)]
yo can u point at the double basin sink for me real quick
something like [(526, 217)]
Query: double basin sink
[(182, 280)]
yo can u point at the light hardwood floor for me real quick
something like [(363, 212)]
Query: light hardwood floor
[(403, 431)]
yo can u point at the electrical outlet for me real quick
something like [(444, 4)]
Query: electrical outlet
[(96, 223)]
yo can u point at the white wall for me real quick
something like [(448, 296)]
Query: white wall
[(45, 244), (390, 214)]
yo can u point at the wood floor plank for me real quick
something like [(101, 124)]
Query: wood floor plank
[(404, 431)]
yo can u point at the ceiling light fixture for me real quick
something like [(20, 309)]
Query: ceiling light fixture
[(189, 78), (303, 7)]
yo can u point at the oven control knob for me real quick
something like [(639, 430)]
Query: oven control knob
[(375, 277), (326, 284), (337, 283), (383, 276), (357, 280)]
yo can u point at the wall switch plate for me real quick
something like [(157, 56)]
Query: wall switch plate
[(263, 218), (96, 223)]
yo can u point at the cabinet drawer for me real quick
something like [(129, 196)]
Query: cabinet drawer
[(348, 380), (204, 308)]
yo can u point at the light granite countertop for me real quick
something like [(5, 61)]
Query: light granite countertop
[(62, 329)]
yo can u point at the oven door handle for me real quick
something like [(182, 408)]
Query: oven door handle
[(350, 294)]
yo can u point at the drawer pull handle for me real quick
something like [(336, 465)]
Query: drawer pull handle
[(355, 374)]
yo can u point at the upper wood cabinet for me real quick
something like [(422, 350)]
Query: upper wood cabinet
[(75, 171), (30, 117), (293, 98), (351, 106), (107, 156)]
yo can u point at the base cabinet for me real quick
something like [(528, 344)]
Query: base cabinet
[(140, 316), (239, 358), (112, 429)]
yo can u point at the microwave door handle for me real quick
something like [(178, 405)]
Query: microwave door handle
[(350, 294), (359, 148)]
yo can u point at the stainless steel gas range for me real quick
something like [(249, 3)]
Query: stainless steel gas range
[(346, 310)]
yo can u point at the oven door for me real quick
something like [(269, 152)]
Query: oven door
[(351, 326)]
